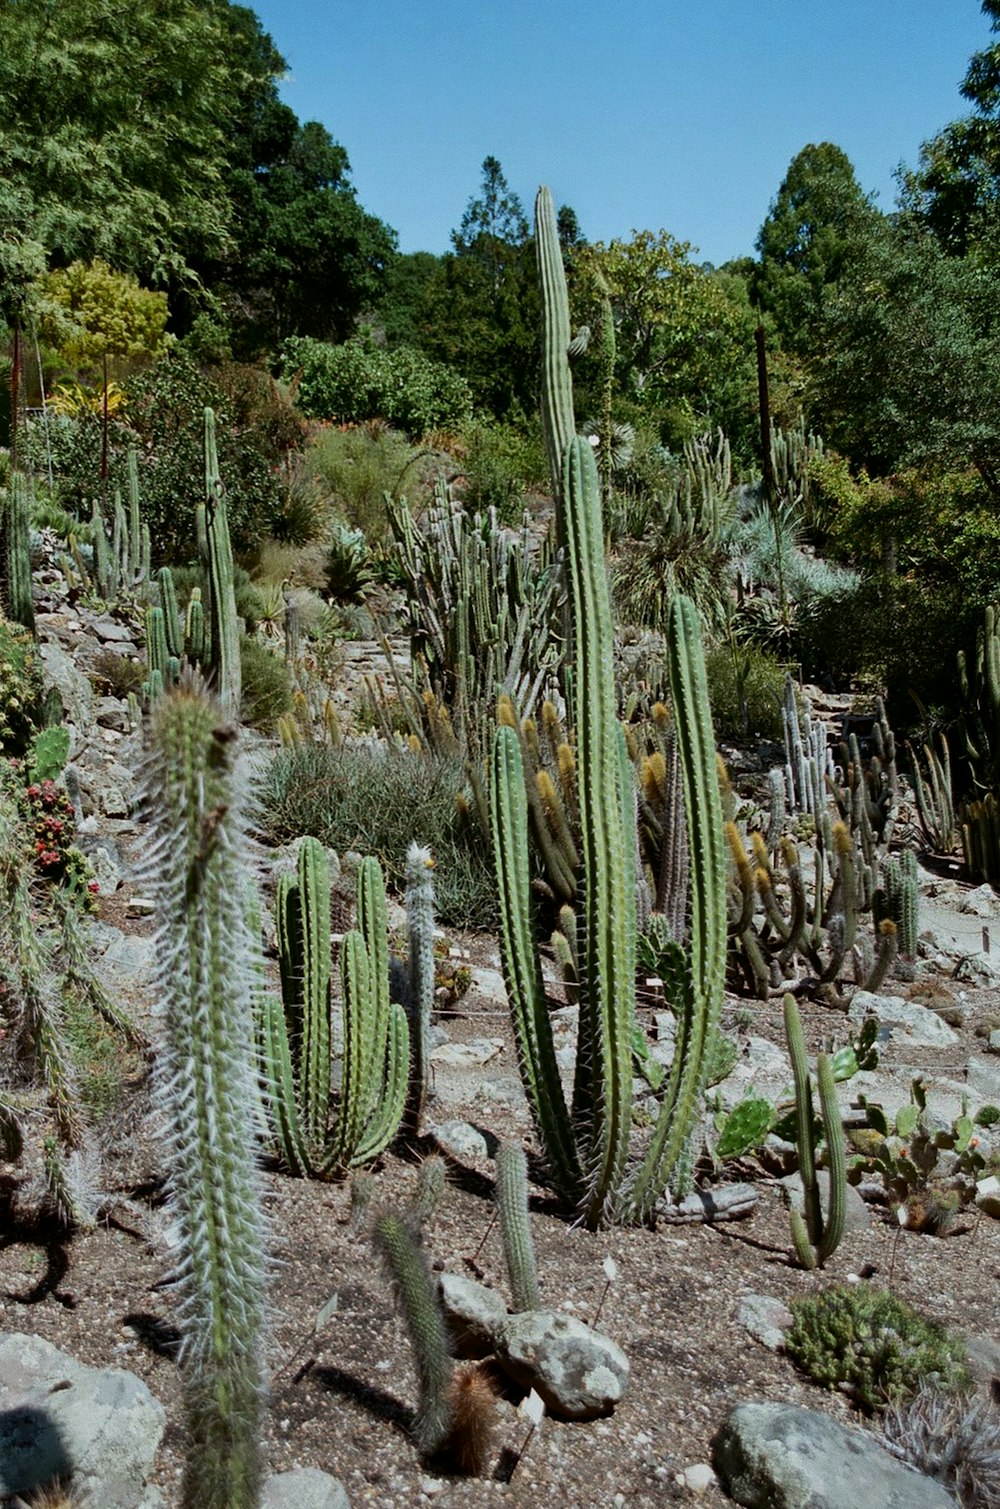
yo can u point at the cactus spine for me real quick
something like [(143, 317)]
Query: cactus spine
[(207, 1093), (816, 1236), (218, 556)]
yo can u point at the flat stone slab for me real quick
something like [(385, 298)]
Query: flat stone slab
[(780, 1456), (305, 1488)]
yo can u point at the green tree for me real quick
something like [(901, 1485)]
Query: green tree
[(955, 189), (811, 232), (90, 314), (909, 365), (684, 333)]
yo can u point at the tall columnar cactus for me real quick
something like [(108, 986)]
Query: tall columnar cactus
[(815, 1236), (218, 556), (420, 926), (417, 1296), (296, 1030), (16, 544), (207, 1092)]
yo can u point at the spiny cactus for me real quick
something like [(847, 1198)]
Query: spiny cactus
[(418, 1300), (206, 1078), (815, 1236), (515, 1226), (420, 926)]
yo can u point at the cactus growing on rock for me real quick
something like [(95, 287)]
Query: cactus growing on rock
[(207, 1091)]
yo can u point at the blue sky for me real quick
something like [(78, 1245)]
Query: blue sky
[(643, 115)]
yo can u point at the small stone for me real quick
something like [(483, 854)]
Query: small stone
[(579, 1373), (471, 1055), (697, 1479), (981, 902), (983, 1076), (109, 632), (914, 1025), (857, 1216), (988, 1196), (472, 1312), (489, 984), (993, 1041), (140, 906), (305, 1488), (460, 1140), (767, 1319)]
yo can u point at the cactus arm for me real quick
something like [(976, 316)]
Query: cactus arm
[(833, 1227), (314, 916), (420, 923), (557, 385), (222, 598), (603, 1090), (281, 1089), (374, 928), (803, 1118), (418, 1300), (389, 1112), (522, 970), (358, 1024)]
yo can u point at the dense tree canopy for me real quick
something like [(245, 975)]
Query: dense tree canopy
[(807, 240), (151, 136)]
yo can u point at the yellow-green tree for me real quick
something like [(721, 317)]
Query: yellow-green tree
[(93, 315)]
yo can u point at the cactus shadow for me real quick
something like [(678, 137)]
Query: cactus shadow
[(374, 1400), (154, 1333), (37, 1228)]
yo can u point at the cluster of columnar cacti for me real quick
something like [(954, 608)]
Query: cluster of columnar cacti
[(207, 1091), (932, 790), (298, 1030), (815, 1233), (15, 552), (792, 452), (897, 900), (587, 1140), (483, 607), (121, 563)]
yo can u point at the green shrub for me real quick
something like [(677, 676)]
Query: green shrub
[(502, 462), (378, 800), (358, 467), (358, 380), (20, 689), (266, 690), (745, 688), (872, 1343)]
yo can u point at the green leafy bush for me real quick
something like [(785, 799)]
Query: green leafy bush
[(745, 688), (874, 1344), (358, 380), (378, 800), (266, 692), (501, 462), (20, 688), (358, 467)]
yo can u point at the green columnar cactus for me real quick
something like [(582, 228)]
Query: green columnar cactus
[(105, 573), (417, 1297), (156, 642), (420, 926), (296, 1030), (171, 617), (16, 543), (207, 1092), (816, 1236), (194, 628), (431, 1180), (515, 1226), (897, 900), (224, 624), (557, 385)]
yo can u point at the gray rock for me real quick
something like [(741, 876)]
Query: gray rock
[(917, 1026), (767, 1319), (128, 959), (981, 902), (779, 1456), (988, 1196), (983, 1075), (857, 1216), (468, 1055), (58, 1417), (112, 713), (473, 1314), (108, 632), (73, 687), (978, 968), (579, 1373), (489, 984), (460, 1140), (993, 1041), (305, 1488), (106, 861), (982, 1357)]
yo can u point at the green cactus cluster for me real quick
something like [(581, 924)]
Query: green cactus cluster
[(312, 1137), (897, 899), (15, 552), (483, 609), (121, 562), (816, 1234)]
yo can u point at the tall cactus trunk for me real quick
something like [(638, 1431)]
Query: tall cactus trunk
[(225, 635), (207, 1093), (16, 544)]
